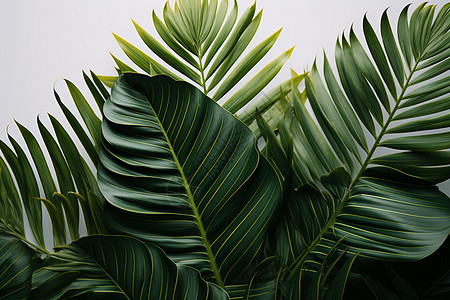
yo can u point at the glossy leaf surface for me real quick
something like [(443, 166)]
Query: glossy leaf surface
[(118, 267), (181, 172)]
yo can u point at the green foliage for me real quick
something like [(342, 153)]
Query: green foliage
[(73, 182), (168, 148), (383, 206), (185, 206), (204, 45)]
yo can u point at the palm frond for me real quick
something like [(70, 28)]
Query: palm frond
[(66, 180), (205, 45), (383, 204)]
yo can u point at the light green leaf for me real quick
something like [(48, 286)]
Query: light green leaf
[(268, 100), (222, 36), (235, 53), (256, 84), (165, 55), (245, 21), (245, 65), (141, 59), (167, 37)]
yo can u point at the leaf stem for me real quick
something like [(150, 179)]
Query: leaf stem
[(202, 71), (22, 237), (211, 257)]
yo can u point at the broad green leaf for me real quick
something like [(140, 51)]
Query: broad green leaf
[(118, 267), (16, 268), (165, 143)]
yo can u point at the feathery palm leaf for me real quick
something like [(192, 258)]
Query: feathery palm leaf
[(383, 205), (205, 45), (73, 181)]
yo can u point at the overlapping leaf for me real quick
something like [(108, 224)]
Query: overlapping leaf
[(16, 268), (383, 205), (98, 267), (20, 184), (183, 173)]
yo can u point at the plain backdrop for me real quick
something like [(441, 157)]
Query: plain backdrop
[(47, 40)]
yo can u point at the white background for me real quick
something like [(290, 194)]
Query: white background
[(47, 40)]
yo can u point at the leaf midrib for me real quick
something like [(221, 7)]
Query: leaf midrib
[(207, 245), (301, 259)]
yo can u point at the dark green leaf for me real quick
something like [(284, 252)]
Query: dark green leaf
[(182, 133), (16, 268), (118, 267)]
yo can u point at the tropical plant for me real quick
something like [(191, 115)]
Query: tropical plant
[(205, 45), (185, 206)]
